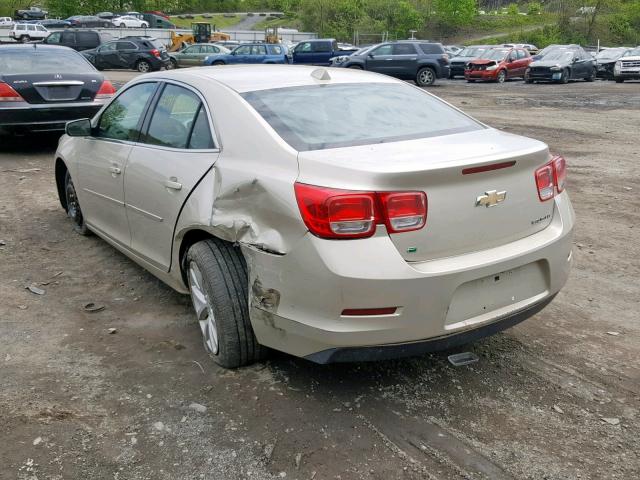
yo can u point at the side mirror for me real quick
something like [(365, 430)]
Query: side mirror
[(78, 128), (575, 59), (370, 55)]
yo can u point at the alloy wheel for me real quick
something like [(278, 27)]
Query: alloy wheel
[(426, 77), (143, 67), (73, 207), (502, 76), (204, 309)]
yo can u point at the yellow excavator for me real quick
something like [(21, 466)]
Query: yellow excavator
[(271, 35), (201, 32)]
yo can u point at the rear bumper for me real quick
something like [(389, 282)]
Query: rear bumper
[(46, 117), (297, 299), (386, 352), (456, 70)]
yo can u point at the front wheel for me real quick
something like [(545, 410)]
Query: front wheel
[(356, 67), (218, 283), (172, 65), (619, 80), (426, 77), (592, 76), (218, 62), (25, 39), (502, 76), (565, 76), (143, 66), (74, 212)]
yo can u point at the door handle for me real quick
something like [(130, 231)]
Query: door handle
[(172, 184), (115, 170)]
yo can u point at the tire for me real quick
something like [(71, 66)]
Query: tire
[(426, 76), (74, 212), (591, 77), (356, 67), (619, 80), (565, 76), (218, 62), (172, 65), (470, 80), (502, 76), (122, 25), (218, 282), (25, 39), (528, 80), (143, 66)]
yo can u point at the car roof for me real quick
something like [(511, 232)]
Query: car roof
[(35, 47), (249, 78)]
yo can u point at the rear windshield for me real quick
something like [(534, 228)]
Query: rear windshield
[(27, 60), (319, 117)]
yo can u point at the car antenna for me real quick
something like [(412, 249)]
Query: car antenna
[(321, 74)]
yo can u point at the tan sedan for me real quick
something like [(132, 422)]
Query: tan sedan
[(333, 214)]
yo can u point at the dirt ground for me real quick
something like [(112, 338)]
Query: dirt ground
[(556, 397)]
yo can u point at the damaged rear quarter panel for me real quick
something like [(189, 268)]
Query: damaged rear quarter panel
[(248, 196)]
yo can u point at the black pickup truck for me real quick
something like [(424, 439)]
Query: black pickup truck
[(31, 13), (318, 51)]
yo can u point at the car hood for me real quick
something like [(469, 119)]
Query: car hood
[(548, 63), (634, 58), (462, 59), (483, 61)]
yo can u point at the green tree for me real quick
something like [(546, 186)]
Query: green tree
[(455, 13)]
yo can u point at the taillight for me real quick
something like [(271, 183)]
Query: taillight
[(333, 213), (8, 94), (404, 211), (560, 171), (551, 178), (155, 53), (106, 90)]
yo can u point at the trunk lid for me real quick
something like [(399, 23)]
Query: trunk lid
[(455, 223), (42, 88)]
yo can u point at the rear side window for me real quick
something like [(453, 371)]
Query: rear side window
[(522, 54), (120, 120), (125, 46), (276, 50), (258, 50), (356, 114), (322, 47), (87, 38), (431, 48), (404, 49), (175, 119), (68, 38)]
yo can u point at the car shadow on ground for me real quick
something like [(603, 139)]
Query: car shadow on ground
[(29, 143)]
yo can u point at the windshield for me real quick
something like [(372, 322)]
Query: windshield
[(634, 52), (560, 55), (472, 52), (36, 60), (495, 54), (319, 117), (610, 53)]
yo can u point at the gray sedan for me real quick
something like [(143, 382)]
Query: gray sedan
[(194, 55)]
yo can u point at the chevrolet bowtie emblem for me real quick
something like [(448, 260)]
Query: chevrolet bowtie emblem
[(490, 198)]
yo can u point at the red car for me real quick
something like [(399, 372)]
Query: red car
[(498, 64)]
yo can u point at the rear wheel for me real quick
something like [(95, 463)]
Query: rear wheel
[(25, 38), (74, 212), (173, 64), (470, 80), (122, 25), (218, 62), (502, 76), (425, 77), (592, 76), (218, 282), (143, 66), (527, 80)]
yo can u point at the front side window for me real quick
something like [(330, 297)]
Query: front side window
[(40, 28), (383, 50), (109, 47), (192, 49), (175, 117), (120, 120), (356, 114), (54, 38), (304, 48)]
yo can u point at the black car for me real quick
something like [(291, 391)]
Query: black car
[(89, 21), (44, 86), (606, 60), (561, 65), (417, 60), (459, 61), (144, 54), (54, 23), (79, 40)]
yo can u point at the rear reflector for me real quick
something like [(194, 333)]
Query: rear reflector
[(363, 312), (333, 213), (106, 90), (8, 94), (488, 168)]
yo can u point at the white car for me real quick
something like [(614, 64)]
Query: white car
[(6, 21), (333, 214), (628, 66), (127, 21), (26, 32)]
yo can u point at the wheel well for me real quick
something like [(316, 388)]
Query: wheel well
[(61, 173), (190, 238)]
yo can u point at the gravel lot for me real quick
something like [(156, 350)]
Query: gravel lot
[(556, 397)]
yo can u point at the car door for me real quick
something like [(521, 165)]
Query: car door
[(175, 152), (404, 60), (192, 56), (258, 54), (521, 62), (303, 53), (107, 56), (380, 59), (240, 54), (101, 161)]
